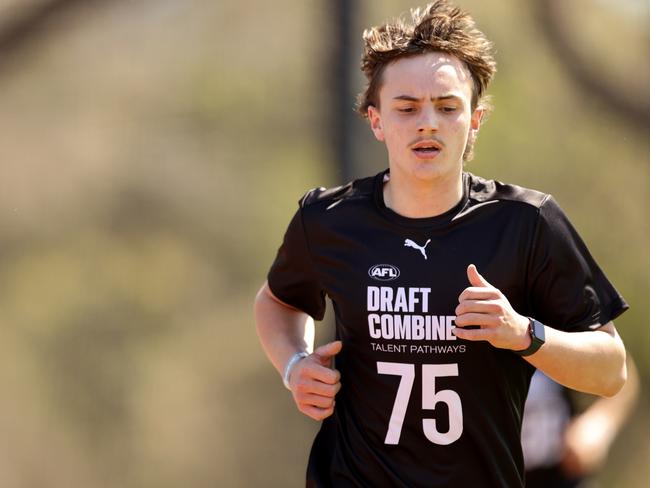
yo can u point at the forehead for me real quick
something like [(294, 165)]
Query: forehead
[(427, 75)]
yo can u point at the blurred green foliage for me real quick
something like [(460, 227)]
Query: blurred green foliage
[(152, 155)]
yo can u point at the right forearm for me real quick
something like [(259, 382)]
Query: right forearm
[(282, 330)]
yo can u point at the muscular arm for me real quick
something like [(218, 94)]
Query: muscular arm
[(592, 361), (284, 331)]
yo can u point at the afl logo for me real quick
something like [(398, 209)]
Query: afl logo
[(384, 272)]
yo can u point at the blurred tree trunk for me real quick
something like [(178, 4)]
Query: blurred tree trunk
[(33, 23), (343, 13), (632, 106)]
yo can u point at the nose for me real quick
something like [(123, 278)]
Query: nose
[(428, 121)]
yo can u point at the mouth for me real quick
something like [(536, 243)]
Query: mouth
[(427, 149)]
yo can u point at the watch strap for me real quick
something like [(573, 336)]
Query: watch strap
[(537, 338)]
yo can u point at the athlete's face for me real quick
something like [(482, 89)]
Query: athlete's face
[(425, 116)]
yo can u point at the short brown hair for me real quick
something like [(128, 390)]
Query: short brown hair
[(437, 27)]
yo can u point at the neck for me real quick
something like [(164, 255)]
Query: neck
[(420, 199)]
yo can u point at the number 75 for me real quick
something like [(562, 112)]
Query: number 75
[(430, 397)]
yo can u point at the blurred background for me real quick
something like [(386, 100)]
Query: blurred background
[(152, 153)]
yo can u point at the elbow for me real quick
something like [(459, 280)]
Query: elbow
[(615, 386), (615, 374), (259, 304), (616, 381)]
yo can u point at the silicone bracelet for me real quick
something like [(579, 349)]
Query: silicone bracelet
[(292, 362)]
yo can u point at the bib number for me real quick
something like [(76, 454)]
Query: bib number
[(430, 398)]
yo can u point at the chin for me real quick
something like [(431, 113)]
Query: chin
[(427, 169), (431, 170)]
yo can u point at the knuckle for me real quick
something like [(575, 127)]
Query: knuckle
[(328, 392), (497, 308), (322, 402), (304, 387)]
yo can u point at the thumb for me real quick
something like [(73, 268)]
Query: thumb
[(327, 351), (475, 277)]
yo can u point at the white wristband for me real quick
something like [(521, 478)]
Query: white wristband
[(292, 362)]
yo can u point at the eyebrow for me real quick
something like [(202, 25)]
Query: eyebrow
[(409, 98)]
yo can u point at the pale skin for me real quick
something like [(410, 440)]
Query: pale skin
[(425, 100), (283, 331)]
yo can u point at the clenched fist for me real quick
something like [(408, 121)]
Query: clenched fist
[(484, 305), (314, 382)]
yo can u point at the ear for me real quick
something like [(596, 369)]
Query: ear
[(477, 117), (375, 123)]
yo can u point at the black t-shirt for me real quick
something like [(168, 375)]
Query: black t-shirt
[(419, 407)]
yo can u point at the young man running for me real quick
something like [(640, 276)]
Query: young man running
[(448, 289)]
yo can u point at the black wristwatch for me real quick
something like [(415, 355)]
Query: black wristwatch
[(536, 331)]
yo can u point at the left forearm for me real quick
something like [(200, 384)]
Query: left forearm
[(592, 361)]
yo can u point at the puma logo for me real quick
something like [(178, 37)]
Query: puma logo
[(410, 243)]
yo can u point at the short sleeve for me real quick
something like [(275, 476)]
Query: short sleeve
[(568, 290), (292, 277)]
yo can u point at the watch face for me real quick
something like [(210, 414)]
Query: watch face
[(538, 331)]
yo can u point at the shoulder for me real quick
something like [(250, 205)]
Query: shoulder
[(324, 198), (487, 190)]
